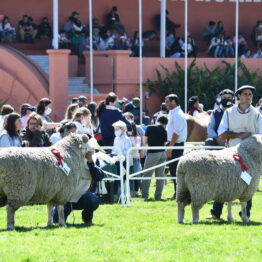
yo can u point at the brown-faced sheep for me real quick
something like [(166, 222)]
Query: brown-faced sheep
[(203, 176), (32, 175)]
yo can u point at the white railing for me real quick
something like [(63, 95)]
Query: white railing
[(132, 176)]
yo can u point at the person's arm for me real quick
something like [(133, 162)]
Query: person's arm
[(223, 130), (260, 124), (4, 141), (96, 172), (211, 133)]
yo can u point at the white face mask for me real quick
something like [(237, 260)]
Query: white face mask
[(118, 133), (48, 111)]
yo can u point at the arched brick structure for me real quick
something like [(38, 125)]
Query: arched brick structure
[(21, 81)]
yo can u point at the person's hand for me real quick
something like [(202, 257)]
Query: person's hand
[(169, 153), (244, 135), (88, 156)]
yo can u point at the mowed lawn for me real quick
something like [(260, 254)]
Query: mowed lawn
[(146, 231)]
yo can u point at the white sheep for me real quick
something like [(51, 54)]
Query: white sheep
[(203, 176), (32, 175)]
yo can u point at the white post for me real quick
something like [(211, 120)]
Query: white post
[(140, 63), (236, 45), (55, 23), (91, 52), (163, 29), (186, 52)]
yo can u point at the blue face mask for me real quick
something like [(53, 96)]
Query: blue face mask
[(117, 105), (118, 133)]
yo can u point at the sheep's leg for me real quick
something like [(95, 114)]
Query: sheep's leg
[(244, 212), (3, 201), (12, 206), (50, 214), (195, 213), (61, 215), (180, 212), (229, 212)]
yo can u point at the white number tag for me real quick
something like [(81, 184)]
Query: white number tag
[(246, 177), (66, 169)]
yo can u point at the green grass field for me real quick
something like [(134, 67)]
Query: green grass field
[(146, 231)]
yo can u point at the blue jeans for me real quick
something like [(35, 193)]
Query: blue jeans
[(88, 202), (135, 184), (218, 207)]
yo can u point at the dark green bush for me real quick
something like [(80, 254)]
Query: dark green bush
[(204, 83)]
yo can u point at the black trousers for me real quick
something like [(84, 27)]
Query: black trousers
[(172, 167)]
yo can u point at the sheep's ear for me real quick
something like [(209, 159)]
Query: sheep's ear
[(85, 138)]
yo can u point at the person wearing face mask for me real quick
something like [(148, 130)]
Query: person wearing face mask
[(226, 101), (108, 114), (238, 123), (259, 105), (82, 120)]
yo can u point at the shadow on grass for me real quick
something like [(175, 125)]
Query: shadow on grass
[(49, 228), (224, 222)]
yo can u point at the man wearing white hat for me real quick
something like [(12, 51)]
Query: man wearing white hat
[(238, 123)]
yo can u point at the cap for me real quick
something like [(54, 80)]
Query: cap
[(81, 98), (193, 99), (226, 92), (252, 88)]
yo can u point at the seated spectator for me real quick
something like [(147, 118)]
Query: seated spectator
[(247, 54), (26, 110), (63, 41), (96, 38), (66, 129), (229, 50), (123, 43), (176, 49), (33, 26), (193, 106), (258, 54), (5, 110), (258, 34), (44, 29), (26, 31), (135, 45), (106, 42), (34, 133), (10, 136), (220, 28), (219, 51), (215, 45), (192, 48), (209, 31), (242, 44), (112, 17), (170, 39), (7, 32)]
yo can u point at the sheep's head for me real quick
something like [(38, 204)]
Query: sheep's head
[(252, 145)]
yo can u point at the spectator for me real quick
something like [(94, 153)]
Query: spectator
[(134, 108), (135, 45), (155, 135), (112, 18), (44, 109), (94, 119), (136, 142), (258, 54), (64, 130), (170, 39), (82, 120), (26, 110), (77, 24), (26, 30), (10, 136), (216, 45), (76, 41), (83, 199), (44, 29), (71, 109), (109, 114), (247, 54), (106, 42), (82, 101), (64, 42), (123, 43), (85, 45), (259, 106), (220, 28), (8, 32), (68, 27), (193, 106), (192, 48), (242, 44), (5, 110), (209, 31), (258, 34), (34, 133), (96, 38), (163, 111), (33, 26), (176, 133), (229, 50)]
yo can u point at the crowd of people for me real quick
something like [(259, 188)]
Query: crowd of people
[(113, 36), (115, 122)]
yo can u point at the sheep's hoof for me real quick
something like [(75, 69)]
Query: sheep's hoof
[(230, 219), (245, 220), (10, 227), (50, 224), (180, 222), (62, 224)]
